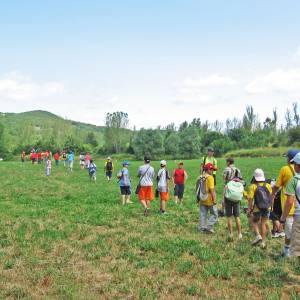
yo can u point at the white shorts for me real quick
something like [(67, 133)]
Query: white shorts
[(288, 227)]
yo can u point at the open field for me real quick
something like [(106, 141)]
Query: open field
[(66, 238)]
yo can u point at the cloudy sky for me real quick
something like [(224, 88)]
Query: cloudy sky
[(159, 61)]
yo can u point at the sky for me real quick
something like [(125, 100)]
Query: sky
[(161, 61)]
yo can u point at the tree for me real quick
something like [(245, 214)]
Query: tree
[(296, 114), (249, 119), (91, 139), (172, 144), (148, 142), (190, 142), (115, 131)]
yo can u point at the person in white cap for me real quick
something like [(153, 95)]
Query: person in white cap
[(293, 198), (259, 204), (163, 179)]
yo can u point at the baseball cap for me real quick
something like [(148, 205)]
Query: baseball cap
[(291, 153), (296, 159), (210, 166), (259, 175), (163, 162), (211, 149), (147, 159), (109, 158), (125, 163)]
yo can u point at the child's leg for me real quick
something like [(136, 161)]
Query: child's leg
[(238, 225), (202, 217), (123, 197), (264, 228), (229, 225), (162, 205)]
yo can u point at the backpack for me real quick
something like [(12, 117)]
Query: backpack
[(109, 166), (262, 197), (92, 168), (234, 191), (201, 192), (297, 189)]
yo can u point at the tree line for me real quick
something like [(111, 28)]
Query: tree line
[(187, 140)]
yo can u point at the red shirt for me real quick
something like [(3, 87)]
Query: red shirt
[(179, 176), (39, 155), (56, 156)]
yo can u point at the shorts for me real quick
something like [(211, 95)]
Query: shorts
[(164, 196), (288, 227), (179, 190), (146, 193), (125, 190), (232, 208), (295, 238), (108, 174), (274, 217), (262, 213), (215, 179)]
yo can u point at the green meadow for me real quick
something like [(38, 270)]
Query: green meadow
[(64, 237)]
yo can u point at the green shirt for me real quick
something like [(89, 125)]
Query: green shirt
[(212, 160), (293, 189)]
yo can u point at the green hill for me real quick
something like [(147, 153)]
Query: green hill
[(44, 128)]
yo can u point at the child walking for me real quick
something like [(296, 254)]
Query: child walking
[(48, 166)]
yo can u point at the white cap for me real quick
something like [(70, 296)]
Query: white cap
[(163, 162), (109, 158), (296, 159), (259, 175)]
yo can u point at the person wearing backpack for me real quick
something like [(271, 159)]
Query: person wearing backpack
[(259, 205), (145, 186), (92, 169), (209, 158), (233, 195), (286, 173), (125, 183), (163, 180), (108, 168), (293, 199), (206, 197)]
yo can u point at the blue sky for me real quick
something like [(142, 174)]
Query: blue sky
[(160, 61)]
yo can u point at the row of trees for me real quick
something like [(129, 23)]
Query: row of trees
[(190, 139)]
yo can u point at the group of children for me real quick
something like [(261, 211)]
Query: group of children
[(267, 199)]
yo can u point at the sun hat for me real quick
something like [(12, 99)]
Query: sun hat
[(296, 159), (163, 163), (259, 175), (291, 153), (109, 158), (210, 166)]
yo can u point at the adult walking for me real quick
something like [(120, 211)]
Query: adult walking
[(210, 159), (145, 187), (179, 178), (286, 173), (293, 199)]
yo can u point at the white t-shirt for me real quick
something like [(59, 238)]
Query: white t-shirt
[(162, 184), (147, 172)]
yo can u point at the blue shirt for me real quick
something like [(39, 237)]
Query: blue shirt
[(124, 177), (71, 156)]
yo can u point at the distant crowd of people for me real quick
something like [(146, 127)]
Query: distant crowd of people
[(275, 200)]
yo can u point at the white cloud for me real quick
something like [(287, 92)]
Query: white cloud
[(296, 56), (213, 80), (279, 80), (16, 86)]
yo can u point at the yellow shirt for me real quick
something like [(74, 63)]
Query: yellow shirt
[(251, 192), (285, 175), (212, 160), (210, 187)]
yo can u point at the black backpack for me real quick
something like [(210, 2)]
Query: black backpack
[(109, 166), (262, 197)]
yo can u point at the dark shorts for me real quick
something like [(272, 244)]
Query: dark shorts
[(179, 190), (215, 179), (125, 190), (108, 174), (262, 213), (277, 211), (232, 208)]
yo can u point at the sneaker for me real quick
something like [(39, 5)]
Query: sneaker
[(210, 231), (240, 236), (257, 240), (281, 234), (286, 252), (263, 245), (129, 202), (202, 229), (230, 237), (146, 212), (275, 235)]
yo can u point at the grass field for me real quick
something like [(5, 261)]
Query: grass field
[(64, 237)]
